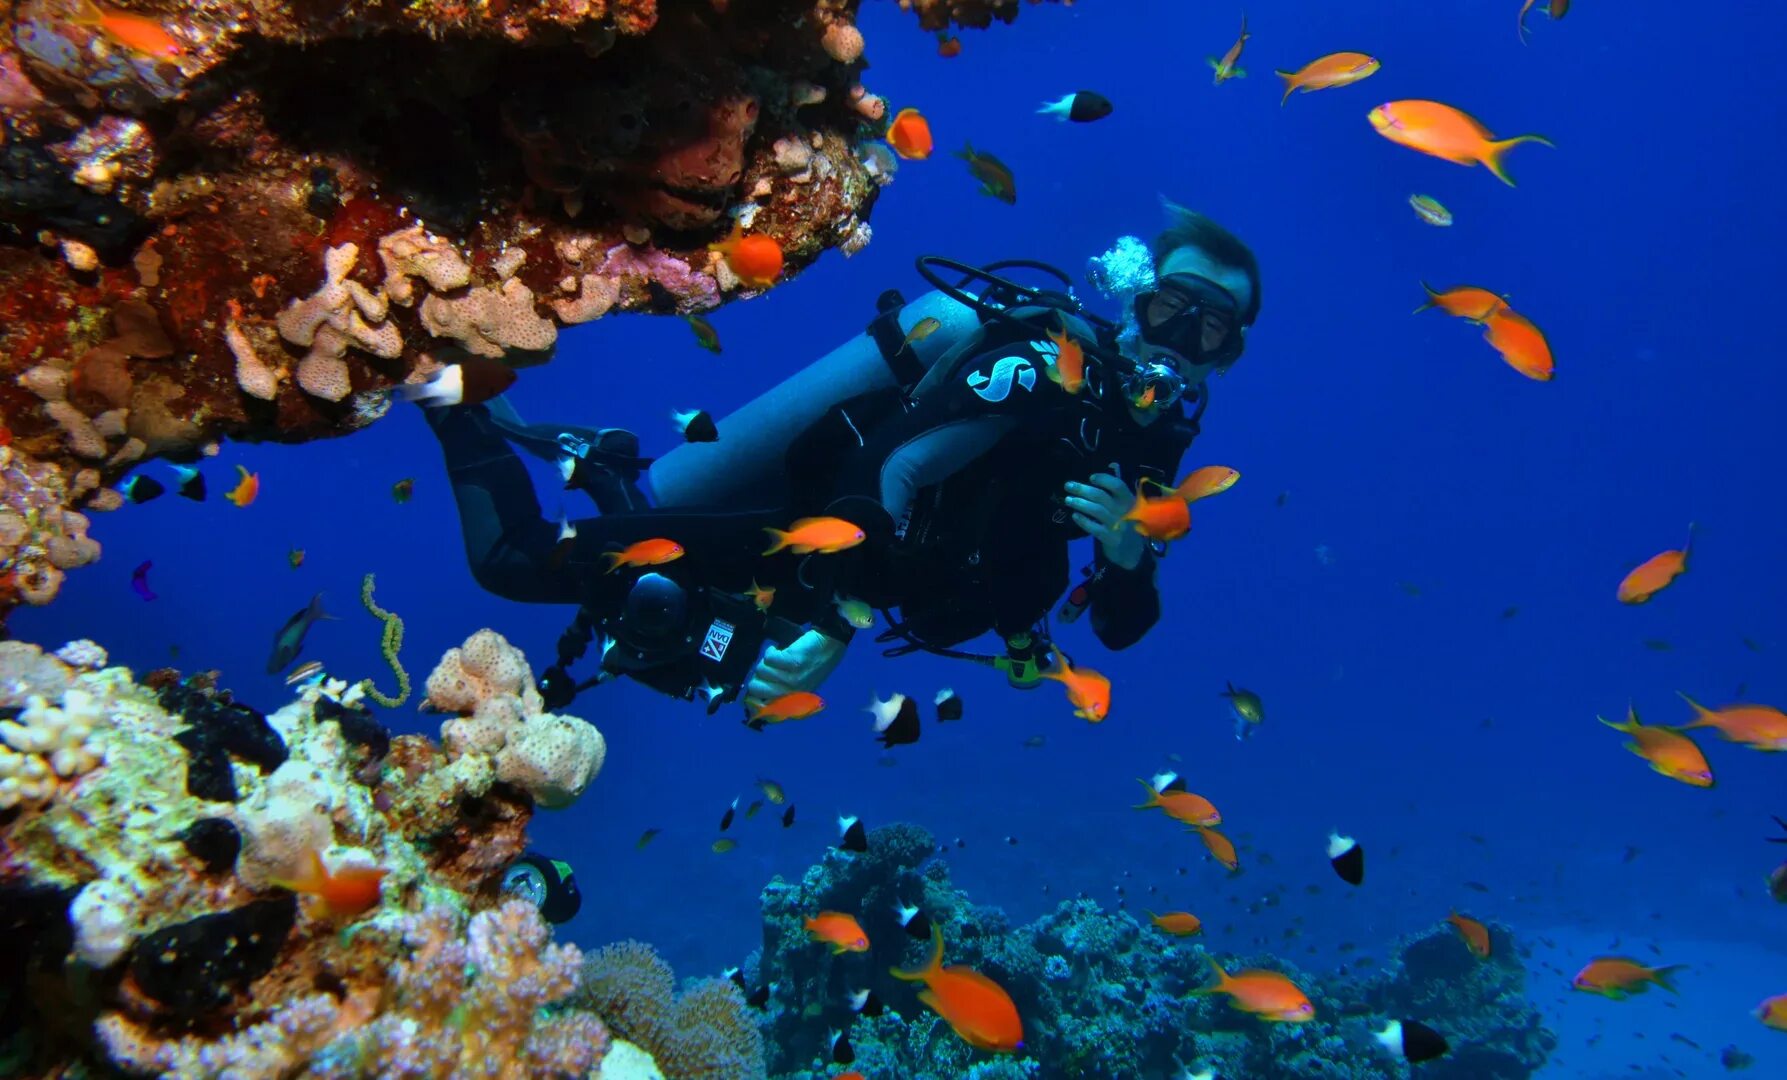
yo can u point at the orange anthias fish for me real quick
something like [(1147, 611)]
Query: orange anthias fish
[(1668, 751), (1447, 133), (1266, 994), (1618, 976), (1180, 805), (910, 135), (797, 705), (756, 259), (1165, 518), (1521, 344), (1225, 68), (1222, 849), (140, 34), (762, 596), (246, 488), (840, 931), (1655, 573), (1474, 933), (976, 1007), (1205, 482), (1070, 363), (827, 535), (1556, 9), (1087, 691), (1773, 1012), (1335, 69), (1760, 727), (345, 893), (653, 552), (1464, 301), (1177, 923)]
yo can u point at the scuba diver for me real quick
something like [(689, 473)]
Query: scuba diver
[(949, 434)]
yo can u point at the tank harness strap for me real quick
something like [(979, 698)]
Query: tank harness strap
[(891, 340)]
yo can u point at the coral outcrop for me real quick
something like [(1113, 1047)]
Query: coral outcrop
[(250, 218), (1100, 995), (153, 832)]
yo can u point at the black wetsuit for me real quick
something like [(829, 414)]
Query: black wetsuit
[(960, 493)]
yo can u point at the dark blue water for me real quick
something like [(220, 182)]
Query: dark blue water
[(1647, 245)]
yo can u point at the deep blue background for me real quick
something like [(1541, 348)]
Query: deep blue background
[(1647, 245)]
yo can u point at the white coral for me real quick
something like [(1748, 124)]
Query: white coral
[(49, 745)]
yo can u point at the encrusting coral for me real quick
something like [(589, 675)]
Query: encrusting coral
[(165, 819)]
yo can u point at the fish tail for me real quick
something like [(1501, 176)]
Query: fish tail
[(1237, 73), (1688, 548), (1058, 109), (613, 559), (317, 614), (1153, 795), (1623, 725), (931, 967), (1290, 84), (1492, 154), (781, 540), (1661, 976), (1428, 289), (1221, 984), (1702, 714)]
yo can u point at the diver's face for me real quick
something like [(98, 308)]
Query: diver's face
[(1216, 327)]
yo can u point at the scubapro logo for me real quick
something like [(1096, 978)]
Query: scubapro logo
[(996, 386)]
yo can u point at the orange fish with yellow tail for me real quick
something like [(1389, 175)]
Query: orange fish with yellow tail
[(826, 535), (840, 931), (1202, 483), (346, 893), (756, 259), (1328, 72), (1654, 574), (1087, 691), (1760, 727), (1266, 994), (1464, 301), (1177, 923), (1521, 344), (1222, 849), (1474, 933), (1069, 368), (1444, 132), (1180, 805), (654, 552), (1668, 751), (974, 1006), (1164, 518)]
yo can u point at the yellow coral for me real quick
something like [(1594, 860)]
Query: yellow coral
[(389, 644)]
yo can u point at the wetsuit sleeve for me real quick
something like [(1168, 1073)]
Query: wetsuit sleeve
[(1126, 603)]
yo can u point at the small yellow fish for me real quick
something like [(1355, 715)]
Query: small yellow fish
[(724, 844), (772, 790), (705, 334), (1429, 209), (855, 612), (921, 329)]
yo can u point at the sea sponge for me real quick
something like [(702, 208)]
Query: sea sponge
[(77, 429), (255, 376), (595, 296), (502, 719), (414, 252), (842, 42), (342, 312), (490, 321)]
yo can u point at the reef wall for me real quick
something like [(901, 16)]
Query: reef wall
[(249, 218)]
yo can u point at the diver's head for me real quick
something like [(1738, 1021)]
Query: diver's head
[(1206, 293)]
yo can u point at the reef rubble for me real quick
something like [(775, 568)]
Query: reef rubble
[(249, 219)]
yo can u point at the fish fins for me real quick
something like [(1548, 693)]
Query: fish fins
[(1492, 158), (932, 965), (1662, 974), (1290, 85)]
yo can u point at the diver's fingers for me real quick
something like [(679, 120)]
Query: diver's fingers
[(1113, 485), (1092, 528), (1106, 516)]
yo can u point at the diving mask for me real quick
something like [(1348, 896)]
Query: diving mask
[(1186, 310)]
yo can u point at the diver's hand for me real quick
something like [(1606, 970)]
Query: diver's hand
[(1098, 507), (803, 665)]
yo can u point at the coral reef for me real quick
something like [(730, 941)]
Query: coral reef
[(1102, 996), (706, 1032), (150, 832), (249, 218)]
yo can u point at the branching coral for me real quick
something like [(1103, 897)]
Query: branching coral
[(390, 643), (706, 1034)]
